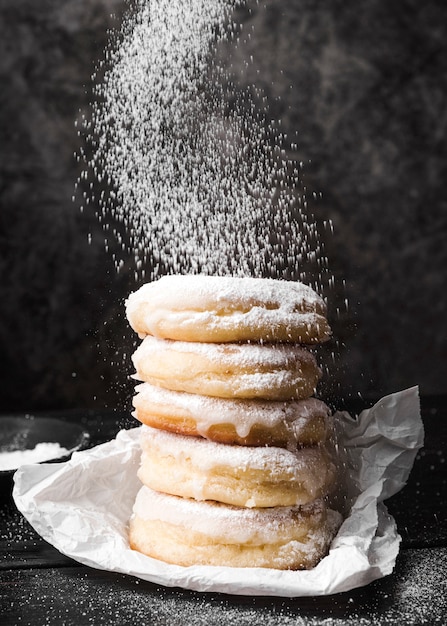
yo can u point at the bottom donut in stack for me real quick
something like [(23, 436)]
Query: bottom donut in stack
[(187, 532)]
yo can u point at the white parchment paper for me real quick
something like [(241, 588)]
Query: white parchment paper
[(82, 507)]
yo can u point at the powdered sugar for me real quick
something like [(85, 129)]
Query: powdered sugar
[(226, 294), (192, 169), (11, 460)]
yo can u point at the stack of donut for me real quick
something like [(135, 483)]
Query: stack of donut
[(234, 464)]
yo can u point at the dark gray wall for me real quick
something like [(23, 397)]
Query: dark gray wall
[(368, 109)]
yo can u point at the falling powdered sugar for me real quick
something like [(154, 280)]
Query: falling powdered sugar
[(181, 165)]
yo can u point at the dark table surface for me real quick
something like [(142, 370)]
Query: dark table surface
[(38, 585)]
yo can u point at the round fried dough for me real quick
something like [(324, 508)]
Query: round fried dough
[(235, 421), (228, 309), (187, 532), (193, 467), (228, 370)]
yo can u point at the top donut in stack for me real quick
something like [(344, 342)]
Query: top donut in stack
[(220, 309)]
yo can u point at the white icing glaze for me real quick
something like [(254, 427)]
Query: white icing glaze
[(237, 524), (241, 414)]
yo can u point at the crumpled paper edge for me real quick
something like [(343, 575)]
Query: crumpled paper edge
[(82, 508)]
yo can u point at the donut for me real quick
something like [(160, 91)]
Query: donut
[(186, 532), (228, 309), (233, 421), (228, 370), (193, 467)]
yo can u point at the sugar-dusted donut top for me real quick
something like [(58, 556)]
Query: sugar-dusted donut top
[(309, 466), (239, 356), (224, 293), (246, 307), (241, 414), (242, 525)]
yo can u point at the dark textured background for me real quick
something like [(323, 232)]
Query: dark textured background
[(362, 86)]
